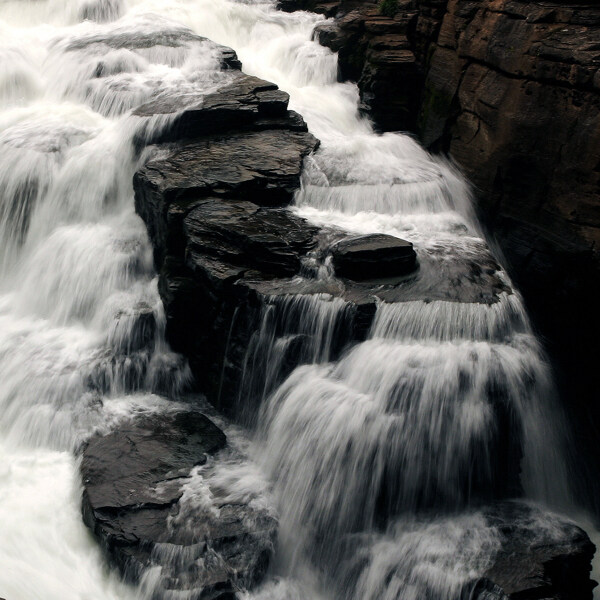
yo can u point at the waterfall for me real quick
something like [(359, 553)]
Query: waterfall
[(382, 453)]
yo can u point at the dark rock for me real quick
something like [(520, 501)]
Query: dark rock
[(541, 555), (328, 9), (263, 167), (373, 257), (134, 479), (241, 102), (245, 235), (204, 200), (375, 52)]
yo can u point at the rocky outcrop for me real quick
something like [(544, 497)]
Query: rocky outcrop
[(231, 257), (375, 51), (213, 198), (212, 202), (139, 499)]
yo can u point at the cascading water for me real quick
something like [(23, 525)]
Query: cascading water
[(408, 421)]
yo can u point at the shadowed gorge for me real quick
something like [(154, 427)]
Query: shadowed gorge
[(250, 348)]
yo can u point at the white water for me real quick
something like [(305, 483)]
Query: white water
[(76, 270)]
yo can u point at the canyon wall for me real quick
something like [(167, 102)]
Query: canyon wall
[(512, 93)]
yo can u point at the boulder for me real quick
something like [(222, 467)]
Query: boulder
[(135, 482), (374, 256), (541, 555)]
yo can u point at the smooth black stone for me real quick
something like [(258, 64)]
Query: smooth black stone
[(373, 256)]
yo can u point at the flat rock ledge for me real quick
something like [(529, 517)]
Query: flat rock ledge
[(134, 501)]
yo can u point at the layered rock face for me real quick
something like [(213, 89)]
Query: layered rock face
[(510, 89)]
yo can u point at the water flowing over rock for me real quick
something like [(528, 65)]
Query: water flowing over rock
[(152, 511), (509, 89), (169, 227), (250, 292)]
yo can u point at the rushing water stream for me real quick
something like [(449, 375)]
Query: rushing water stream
[(414, 404)]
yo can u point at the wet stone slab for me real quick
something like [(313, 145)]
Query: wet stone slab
[(135, 502)]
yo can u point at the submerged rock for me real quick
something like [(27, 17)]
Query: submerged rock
[(138, 484), (155, 33), (373, 256)]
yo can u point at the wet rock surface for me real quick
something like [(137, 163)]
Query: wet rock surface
[(135, 502), (240, 102), (539, 556), (373, 256), (375, 51), (213, 199)]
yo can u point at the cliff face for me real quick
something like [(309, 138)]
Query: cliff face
[(510, 89)]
